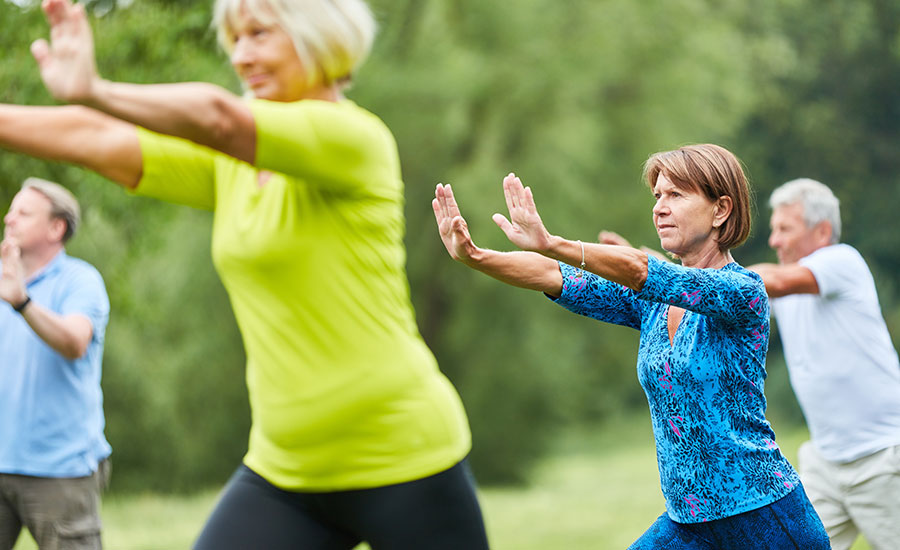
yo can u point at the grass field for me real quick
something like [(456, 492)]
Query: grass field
[(599, 492)]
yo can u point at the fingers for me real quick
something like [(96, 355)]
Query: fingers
[(65, 18), (504, 224), (452, 207), (443, 194), (517, 196), (611, 237), (40, 49), (439, 204), (458, 225), (511, 187), (9, 253), (60, 11), (528, 199)]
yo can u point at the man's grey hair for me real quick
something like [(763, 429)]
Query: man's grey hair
[(63, 203), (819, 203)]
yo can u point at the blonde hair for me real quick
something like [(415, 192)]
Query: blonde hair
[(63, 204), (331, 37), (714, 172)]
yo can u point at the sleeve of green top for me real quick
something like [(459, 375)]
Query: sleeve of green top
[(335, 145), (176, 170)]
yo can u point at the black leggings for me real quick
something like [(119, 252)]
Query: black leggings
[(439, 512)]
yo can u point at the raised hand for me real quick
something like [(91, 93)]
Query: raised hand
[(611, 237), (67, 61), (451, 225), (12, 278), (524, 227)]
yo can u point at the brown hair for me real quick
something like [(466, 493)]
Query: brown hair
[(714, 172)]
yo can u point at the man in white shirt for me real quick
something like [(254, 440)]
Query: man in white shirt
[(842, 364)]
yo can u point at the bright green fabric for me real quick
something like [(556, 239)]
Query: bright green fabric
[(343, 390)]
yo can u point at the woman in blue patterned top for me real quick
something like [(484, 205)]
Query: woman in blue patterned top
[(704, 334)]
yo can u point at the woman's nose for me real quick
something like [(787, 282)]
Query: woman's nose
[(241, 53), (659, 208)]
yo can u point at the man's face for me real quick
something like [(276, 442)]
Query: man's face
[(791, 238), (29, 222)]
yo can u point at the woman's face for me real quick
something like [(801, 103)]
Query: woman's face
[(266, 61), (684, 219)]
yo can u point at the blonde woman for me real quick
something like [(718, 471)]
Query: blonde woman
[(356, 434)]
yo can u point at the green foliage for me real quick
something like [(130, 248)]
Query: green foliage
[(175, 402), (573, 99)]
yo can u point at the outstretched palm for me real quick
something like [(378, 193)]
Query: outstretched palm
[(524, 228), (451, 225), (67, 62)]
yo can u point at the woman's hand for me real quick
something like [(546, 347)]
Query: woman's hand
[(67, 62), (452, 227), (524, 227)]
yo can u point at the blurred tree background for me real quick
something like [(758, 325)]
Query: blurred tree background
[(573, 99)]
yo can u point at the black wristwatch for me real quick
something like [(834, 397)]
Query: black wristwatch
[(21, 307)]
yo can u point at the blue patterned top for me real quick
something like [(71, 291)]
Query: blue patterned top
[(715, 449)]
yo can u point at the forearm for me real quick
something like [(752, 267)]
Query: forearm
[(784, 280), (522, 269), (620, 264), (200, 112), (74, 134), (68, 335)]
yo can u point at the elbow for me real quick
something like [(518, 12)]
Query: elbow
[(73, 353), (231, 129), (74, 349), (637, 273)]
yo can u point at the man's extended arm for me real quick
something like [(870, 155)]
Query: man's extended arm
[(784, 280)]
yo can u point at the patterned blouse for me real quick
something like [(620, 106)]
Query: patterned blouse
[(715, 449)]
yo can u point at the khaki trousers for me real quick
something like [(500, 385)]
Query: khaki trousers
[(60, 513), (859, 497)]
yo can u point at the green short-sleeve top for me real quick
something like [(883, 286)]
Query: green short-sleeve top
[(344, 392)]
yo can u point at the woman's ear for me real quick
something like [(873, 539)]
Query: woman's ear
[(723, 208)]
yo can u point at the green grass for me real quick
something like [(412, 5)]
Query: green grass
[(600, 491)]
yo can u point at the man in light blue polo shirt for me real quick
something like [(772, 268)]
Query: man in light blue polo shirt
[(53, 315)]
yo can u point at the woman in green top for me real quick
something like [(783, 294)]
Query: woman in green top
[(356, 434)]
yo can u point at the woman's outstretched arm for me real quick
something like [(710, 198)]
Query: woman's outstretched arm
[(75, 134), (521, 269), (203, 113)]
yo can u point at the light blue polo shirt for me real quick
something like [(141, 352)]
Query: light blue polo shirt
[(51, 408)]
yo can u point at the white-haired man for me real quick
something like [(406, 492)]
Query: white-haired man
[(842, 364), (53, 315)]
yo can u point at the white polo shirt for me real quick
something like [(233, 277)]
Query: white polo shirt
[(842, 363)]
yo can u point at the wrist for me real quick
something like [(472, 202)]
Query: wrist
[(97, 91), (556, 248), (20, 306), (474, 257)]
